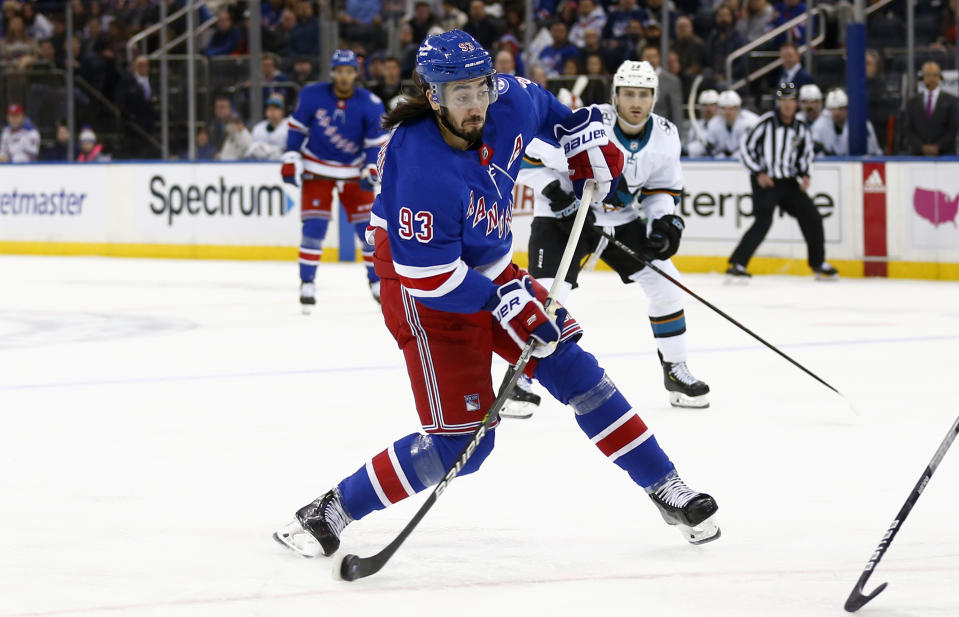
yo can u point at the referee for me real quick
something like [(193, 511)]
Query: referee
[(778, 153)]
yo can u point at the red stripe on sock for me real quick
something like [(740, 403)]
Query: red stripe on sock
[(630, 430), (389, 480)]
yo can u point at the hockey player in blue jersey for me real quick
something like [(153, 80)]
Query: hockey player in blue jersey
[(333, 138), (452, 296)]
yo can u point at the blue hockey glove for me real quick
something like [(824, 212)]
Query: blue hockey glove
[(589, 152), (519, 313), (664, 235), (292, 167)]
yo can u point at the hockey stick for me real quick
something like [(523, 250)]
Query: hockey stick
[(352, 567), (647, 262), (857, 599)]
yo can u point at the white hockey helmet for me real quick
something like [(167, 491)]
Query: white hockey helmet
[(636, 74), (810, 92), (729, 98), (836, 99), (708, 97)]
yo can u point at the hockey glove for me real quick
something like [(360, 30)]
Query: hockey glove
[(292, 167), (562, 203), (369, 178), (589, 152), (621, 197), (664, 235), (519, 313)]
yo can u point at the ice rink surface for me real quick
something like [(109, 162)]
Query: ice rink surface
[(161, 418)]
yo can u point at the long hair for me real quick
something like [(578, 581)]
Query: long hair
[(412, 106)]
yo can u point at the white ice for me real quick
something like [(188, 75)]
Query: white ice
[(159, 419)]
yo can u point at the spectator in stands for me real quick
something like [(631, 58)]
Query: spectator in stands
[(279, 42), (16, 46), (360, 20), (305, 35), (303, 72), (554, 56), (504, 63), (810, 104), (269, 135), (90, 149), (138, 14), (272, 77), (930, 117), (756, 19), (100, 68), (225, 39), (135, 99), (222, 112), (270, 12), (508, 42), (669, 95), (408, 49), (617, 21), (654, 10), (46, 55), (20, 141), (451, 17), (58, 151), (572, 67), (881, 105), (597, 90), (537, 74), (483, 28), (38, 26), (690, 48), (590, 16), (593, 45), (653, 33), (786, 10), (390, 85), (422, 20), (204, 149), (632, 45), (238, 140), (793, 72), (91, 35), (723, 40)]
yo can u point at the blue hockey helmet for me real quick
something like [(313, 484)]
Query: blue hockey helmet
[(454, 56), (344, 57)]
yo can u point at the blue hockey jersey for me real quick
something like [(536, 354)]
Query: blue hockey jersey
[(341, 135), (448, 212)]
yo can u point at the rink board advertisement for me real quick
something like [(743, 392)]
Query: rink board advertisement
[(242, 210)]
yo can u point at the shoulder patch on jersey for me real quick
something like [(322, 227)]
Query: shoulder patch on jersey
[(666, 125), (502, 85), (375, 98), (609, 117)]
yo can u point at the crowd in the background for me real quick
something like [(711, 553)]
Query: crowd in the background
[(570, 38)]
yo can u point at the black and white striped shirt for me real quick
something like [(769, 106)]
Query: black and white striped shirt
[(778, 150)]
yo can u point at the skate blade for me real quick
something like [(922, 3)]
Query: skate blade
[(678, 399), (827, 277), (519, 410), (707, 531), (302, 543), (307, 309), (735, 280)]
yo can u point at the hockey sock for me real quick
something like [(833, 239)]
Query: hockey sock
[(408, 466), (367, 251), (666, 314), (573, 376), (670, 334), (311, 247)]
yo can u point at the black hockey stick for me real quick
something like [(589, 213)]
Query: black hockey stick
[(857, 599), (648, 263), (352, 567)]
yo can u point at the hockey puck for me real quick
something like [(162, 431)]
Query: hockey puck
[(346, 568)]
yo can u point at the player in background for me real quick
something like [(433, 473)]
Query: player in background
[(697, 146), (334, 136), (831, 131), (640, 214), (452, 296), (727, 130)]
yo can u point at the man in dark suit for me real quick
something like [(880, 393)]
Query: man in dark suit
[(135, 100), (793, 72), (930, 121)]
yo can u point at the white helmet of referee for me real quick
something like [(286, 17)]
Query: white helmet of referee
[(636, 74), (729, 98)]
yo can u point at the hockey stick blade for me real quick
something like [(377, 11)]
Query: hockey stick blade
[(857, 599), (353, 567)]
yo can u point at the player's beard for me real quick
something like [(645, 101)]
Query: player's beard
[(471, 135)]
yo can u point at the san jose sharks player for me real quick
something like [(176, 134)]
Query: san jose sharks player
[(452, 296), (640, 213), (333, 138)]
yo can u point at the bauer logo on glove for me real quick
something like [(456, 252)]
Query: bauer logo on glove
[(589, 152)]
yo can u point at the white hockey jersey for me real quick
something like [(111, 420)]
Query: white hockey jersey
[(696, 139), (836, 142), (268, 145), (20, 145), (725, 139), (651, 169)]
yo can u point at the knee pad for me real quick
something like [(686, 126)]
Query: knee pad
[(569, 372), (314, 230)]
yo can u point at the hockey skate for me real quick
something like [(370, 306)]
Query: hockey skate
[(737, 274), (522, 401), (826, 273), (307, 296), (691, 512), (684, 389), (375, 290), (317, 527)]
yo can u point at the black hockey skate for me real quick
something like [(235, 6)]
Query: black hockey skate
[(317, 527), (307, 296), (684, 389), (737, 274), (693, 513), (826, 272), (522, 401)]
